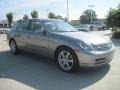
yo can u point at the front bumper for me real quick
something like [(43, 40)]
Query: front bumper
[(96, 58)]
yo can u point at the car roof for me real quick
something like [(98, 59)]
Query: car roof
[(41, 19)]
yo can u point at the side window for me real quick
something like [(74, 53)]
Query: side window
[(24, 26), (15, 26), (51, 26), (36, 26)]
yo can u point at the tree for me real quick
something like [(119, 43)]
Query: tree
[(9, 17), (34, 14), (25, 17), (119, 6), (65, 19), (52, 15), (85, 18), (59, 17), (113, 18)]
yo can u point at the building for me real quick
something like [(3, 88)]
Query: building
[(75, 22), (3, 24)]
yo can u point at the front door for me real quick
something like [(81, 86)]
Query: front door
[(37, 40)]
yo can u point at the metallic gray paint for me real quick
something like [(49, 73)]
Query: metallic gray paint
[(47, 43)]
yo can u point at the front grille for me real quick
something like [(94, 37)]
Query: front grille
[(102, 47)]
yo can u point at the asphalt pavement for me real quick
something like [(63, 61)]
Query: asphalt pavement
[(32, 72)]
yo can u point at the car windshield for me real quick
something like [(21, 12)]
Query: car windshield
[(58, 26)]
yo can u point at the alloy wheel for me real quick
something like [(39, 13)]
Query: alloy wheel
[(13, 47), (65, 60)]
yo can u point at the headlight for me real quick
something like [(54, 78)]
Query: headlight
[(84, 46)]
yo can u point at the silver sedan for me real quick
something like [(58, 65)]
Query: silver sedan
[(59, 40)]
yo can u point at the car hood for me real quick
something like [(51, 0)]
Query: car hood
[(106, 33), (86, 37)]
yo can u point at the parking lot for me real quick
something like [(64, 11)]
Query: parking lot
[(31, 72)]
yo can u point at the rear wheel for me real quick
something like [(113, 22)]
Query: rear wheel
[(67, 60), (13, 47)]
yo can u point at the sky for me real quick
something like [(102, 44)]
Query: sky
[(76, 7)]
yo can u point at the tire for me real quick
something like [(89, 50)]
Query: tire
[(67, 60), (13, 47)]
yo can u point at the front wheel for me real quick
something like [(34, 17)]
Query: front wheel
[(13, 47), (67, 60)]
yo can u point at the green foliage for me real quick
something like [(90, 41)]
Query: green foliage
[(116, 34), (85, 18), (59, 17), (52, 15), (65, 19), (34, 14), (9, 17), (25, 17), (113, 18)]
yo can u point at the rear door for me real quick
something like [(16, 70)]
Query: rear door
[(21, 34)]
